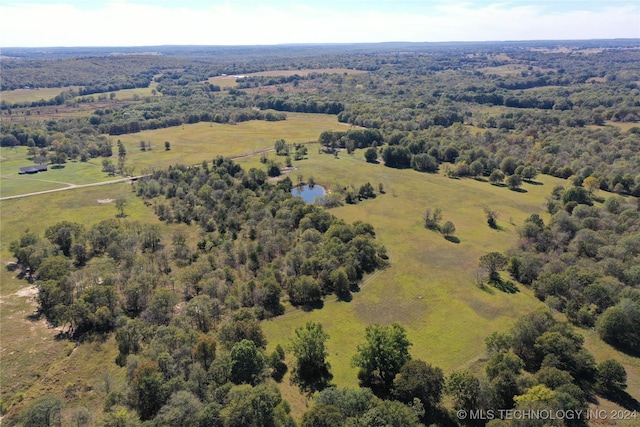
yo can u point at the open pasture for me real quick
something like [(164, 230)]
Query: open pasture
[(130, 94), (72, 173), (31, 95), (191, 144), (430, 286), (511, 70), (229, 81)]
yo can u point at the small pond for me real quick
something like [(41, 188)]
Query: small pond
[(309, 194)]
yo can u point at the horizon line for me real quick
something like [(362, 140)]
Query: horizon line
[(324, 43)]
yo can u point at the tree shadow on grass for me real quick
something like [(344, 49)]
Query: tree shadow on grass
[(623, 399), (534, 182), (519, 190), (57, 167), (477, 178), (497, 227), (315, 305), (452, 239), (498, 184), (34, 317), (505, 286), (488, 289), (346, 297)]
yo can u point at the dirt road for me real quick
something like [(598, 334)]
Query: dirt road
[(74, 186)]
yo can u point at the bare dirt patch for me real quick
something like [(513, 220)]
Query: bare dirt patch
[(29, 291), (105, 200)]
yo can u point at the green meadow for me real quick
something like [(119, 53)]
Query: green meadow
[(191, 144), (71, 173), (31, 95), (129, 94), (431, 284), (229, 81)]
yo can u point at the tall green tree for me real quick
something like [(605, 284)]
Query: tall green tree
[(464, 388), (493, 262), (251, 406), (417, 379), (380, 358), (310, 371), (148, 392), (247, 363), (44, 412)]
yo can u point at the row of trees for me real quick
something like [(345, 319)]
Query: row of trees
[(511, 159)]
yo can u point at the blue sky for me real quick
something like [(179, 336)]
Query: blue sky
[(222, 22)]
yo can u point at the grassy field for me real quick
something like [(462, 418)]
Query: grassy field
[(230, 81), (191, 144), (73, 173), (430, 286), (30, 95), (128, 94), (511, 69)]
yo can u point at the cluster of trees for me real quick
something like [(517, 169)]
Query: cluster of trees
[(257, 244), (300, 104), (95, 73), (585, 262), (539, 364), (56, 145), (350, 140), (432, 221), (204, 364), (195, 369)]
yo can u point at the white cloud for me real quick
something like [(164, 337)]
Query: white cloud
[(123, 23)]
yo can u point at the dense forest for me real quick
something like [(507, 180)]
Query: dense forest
[(186, 310)]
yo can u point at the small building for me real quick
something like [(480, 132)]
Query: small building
[(33, 169)]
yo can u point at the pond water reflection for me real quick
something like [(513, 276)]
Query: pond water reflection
[(309, 194)]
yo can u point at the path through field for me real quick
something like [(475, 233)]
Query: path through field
[(73, 186)]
